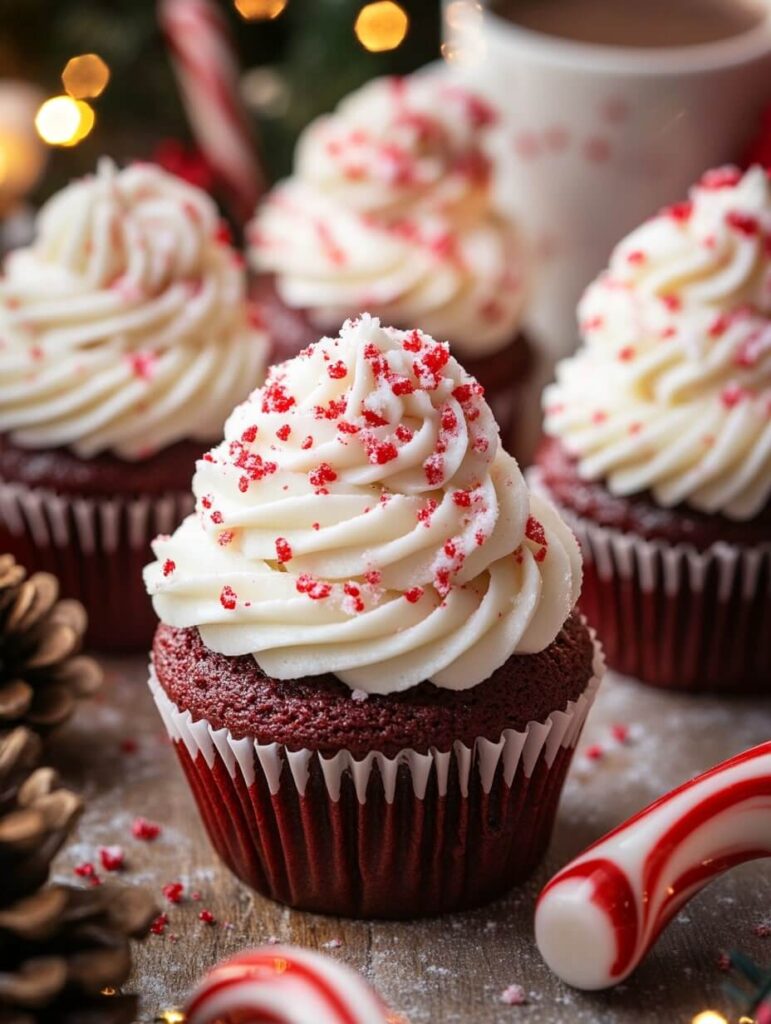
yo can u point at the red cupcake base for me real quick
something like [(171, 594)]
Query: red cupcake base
[(410, 836), (673, 616), (410, 858)]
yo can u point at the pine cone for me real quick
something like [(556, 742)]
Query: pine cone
[(63, 951), (41, 672)]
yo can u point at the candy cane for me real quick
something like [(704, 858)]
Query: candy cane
[(207, 70), (599, 916), (285, 985)]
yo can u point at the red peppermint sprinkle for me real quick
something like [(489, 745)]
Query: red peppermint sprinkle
[(673, 302), (323, 475), (228, 598), (217, 518), (145, 830), (636, 257), (594, 752), (404, 434), (206, 500), (250, 434), (424, 515), (142, 364), (275, 398), (158, 927), (283, 432), (315, 526), (352, 591), (380, 452), (744, 223), (316, 590), (283, 550), (462, 498), (307, 443), (169, 566), (733, 394), (88, 871), (619, 732), (627, 354), (592, 323), (373, 419), (225, 538), (464, 393), (207, 917), (345, 427), (413, 343), (337, 370), (373, 577), (681, 212), (414, 594), (112, 857), (402, 386), (635, 428), (535, 532), (173, 891), (721, 177), (599, 416), (433, 467)]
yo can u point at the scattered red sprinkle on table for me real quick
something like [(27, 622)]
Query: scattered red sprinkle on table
[(594, 752), (158, 927), (145, 830), (87, 870), (112, 857), (173, 891), (619, 732), (207, 917)]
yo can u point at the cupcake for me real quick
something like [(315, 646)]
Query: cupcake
[(390, 210), (658, 449), (368, 658), (125, 341)]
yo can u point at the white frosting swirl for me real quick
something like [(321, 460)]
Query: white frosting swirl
[(361, 518), (389, 209), (124, 327), (671, 391)]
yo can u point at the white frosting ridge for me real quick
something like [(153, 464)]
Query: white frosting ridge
[(124, 327), (671, 390), (389, 209), (361, 518)]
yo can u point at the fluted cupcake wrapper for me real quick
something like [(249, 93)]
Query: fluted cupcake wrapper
[(411, 835), (674, 616), (97, 548)]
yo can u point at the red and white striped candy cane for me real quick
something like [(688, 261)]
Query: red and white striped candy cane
[(285, 985), (207, 70), (599, 916)]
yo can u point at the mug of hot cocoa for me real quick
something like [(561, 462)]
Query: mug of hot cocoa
[(609, 110)]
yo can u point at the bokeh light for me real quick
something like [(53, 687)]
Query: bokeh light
[(260, 10), (381, 26), (64, 121), (709, 1017), (85, 77)]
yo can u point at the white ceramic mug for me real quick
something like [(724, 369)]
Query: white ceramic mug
[(594, 138)]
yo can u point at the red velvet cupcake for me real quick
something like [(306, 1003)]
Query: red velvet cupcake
[(659, 454), (390, 210), (125, 343), (369, 663)]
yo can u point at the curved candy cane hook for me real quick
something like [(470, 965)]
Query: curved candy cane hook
[(599, 916)]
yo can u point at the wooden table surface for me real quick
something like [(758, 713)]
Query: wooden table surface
[(444, 970)]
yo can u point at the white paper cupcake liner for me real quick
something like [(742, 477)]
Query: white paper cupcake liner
[(91, 524), (661, 566), (279, 765)]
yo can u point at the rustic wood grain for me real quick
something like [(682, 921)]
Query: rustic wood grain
[(446, 970)]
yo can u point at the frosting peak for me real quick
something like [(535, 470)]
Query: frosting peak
[(390, 209), (124, 325), (361, 518), (671, 391)]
